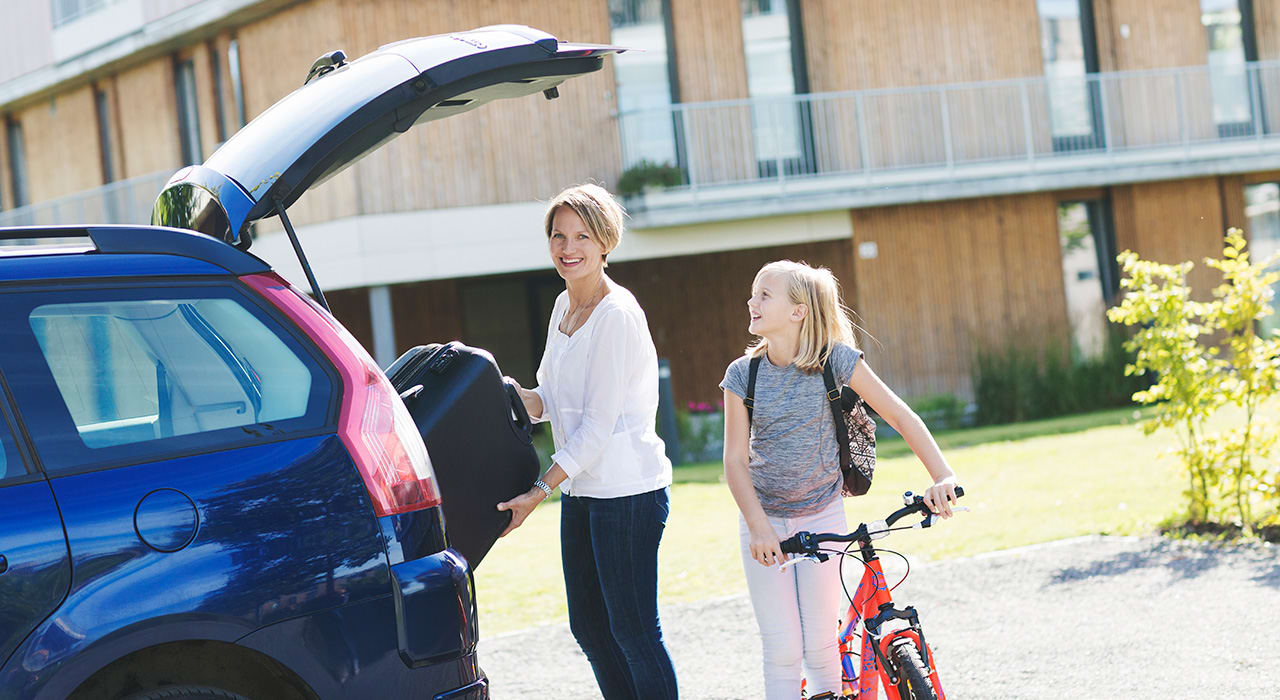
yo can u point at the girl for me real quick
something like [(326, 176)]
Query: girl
[(783, 465), (598, 385)]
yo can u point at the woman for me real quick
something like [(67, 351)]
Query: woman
[(598, 385)]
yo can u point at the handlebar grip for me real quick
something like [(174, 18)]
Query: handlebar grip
[(791, 545), (959, 491)]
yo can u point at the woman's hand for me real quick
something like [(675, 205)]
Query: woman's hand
[(521, 506), (532, 402), (941, 495), (765, 547)]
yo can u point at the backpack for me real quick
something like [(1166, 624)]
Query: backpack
[(855, 429)]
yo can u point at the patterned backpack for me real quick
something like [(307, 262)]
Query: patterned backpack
[(855, 429)]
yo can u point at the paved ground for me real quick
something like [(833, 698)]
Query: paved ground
[(1096, 617)]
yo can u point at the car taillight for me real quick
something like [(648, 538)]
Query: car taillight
[(373, 423)]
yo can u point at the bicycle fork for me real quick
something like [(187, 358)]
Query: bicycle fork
[(875, 652)]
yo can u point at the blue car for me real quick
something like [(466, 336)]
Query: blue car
[(208, 489)]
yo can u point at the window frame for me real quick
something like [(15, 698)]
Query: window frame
[(15, 143), (807, 161), (187, 98), (15, 451), (55, 438)]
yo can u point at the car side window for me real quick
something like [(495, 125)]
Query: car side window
[(11, 465), (164, 371)]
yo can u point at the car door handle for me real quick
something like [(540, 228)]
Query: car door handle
[(4, 564)]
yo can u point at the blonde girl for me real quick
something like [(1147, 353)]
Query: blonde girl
[(783, 466)]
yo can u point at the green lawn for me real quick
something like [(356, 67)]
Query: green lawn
[(1027, 483)]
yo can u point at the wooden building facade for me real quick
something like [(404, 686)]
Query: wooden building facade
[(932, 282)]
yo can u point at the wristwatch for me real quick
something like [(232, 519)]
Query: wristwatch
[(543, 485)]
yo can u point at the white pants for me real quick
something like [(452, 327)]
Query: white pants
[(798, 610)]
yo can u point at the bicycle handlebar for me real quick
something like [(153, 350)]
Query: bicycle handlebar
[(807, 542)]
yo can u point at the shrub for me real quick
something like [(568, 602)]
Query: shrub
[(1182, 342), (1032, 375), (647, 173)]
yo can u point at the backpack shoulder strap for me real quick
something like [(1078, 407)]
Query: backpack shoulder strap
[(750, 400), (837, 414)]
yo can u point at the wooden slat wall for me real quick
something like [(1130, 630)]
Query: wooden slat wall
[(1172, 222), (148, 118), (697, 306), (1161, 34), (351, 307), (427, 312), (953, 277), (456, 162), (853, 45), (710, 63), (61, 139), (868, 44)]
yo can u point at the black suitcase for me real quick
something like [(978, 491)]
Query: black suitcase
[(478, 435)]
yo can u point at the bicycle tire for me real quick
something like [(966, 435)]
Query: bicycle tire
[(913, 681)]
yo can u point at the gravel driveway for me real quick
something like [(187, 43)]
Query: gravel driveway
[(1094, 617)]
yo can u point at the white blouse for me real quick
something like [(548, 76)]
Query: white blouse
[(599, 389)]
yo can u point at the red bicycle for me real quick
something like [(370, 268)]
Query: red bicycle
[(899, 658)]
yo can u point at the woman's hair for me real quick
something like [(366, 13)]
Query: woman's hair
[(599, 211), (828, 321)]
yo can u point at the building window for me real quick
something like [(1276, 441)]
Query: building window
[(102, 105), (1089, 274), (1262, 208), (1229, 51), (237, 88), (646, 81), (774, 48), (219, 114), (1069, 53), (184, 78), (17, 164), (65, 11)]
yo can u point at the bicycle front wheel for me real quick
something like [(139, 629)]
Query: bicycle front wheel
[(913, 681)]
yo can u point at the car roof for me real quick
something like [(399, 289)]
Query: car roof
[(33, 253)]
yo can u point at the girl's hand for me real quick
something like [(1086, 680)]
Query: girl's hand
[(941, 495), (765, 547), (521, 506)]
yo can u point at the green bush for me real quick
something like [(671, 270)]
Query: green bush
[(647, 173), (940, 411), (1206, 355), (1032, 376)]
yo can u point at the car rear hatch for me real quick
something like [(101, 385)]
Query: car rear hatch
[(346, 109), (343, 111)]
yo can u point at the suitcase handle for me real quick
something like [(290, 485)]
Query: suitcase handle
[(518, 412)]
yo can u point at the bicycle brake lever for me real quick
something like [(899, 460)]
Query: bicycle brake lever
[(816, 558), (933, 518)]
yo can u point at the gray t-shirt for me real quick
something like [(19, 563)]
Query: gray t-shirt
[(794, 458)]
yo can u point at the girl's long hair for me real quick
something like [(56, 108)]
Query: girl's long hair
[(828, 321)]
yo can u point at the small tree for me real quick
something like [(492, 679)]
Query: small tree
[(1158, 302), (1195, 377), (1250, 368)]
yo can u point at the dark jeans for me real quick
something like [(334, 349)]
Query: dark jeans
[(610, 552)]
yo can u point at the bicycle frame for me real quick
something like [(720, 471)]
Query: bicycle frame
[(872, 605)]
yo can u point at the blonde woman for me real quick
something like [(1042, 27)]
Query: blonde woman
[(782, 466), (598, 385)]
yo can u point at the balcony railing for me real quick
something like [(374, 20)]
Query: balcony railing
[(1028, 124), (122, 202), (866, 141)]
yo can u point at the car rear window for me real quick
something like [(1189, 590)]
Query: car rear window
[(160, 373)]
